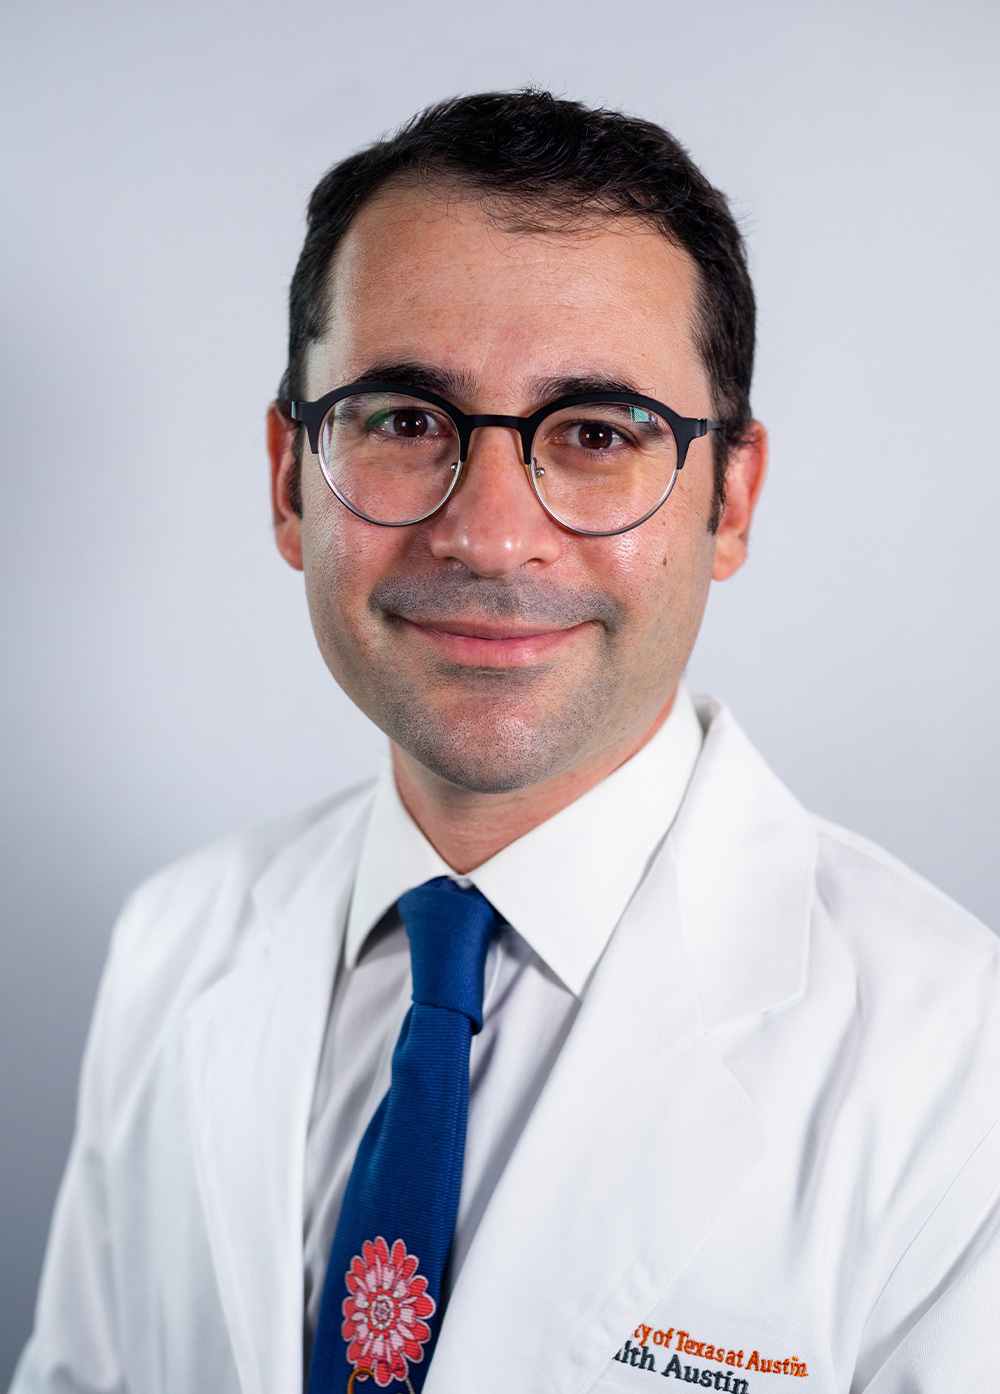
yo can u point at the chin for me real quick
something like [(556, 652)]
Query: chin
[(492, 753)]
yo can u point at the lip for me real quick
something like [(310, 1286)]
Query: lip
[(480, 644)]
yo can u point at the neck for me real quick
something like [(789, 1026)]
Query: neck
[(466, 827)]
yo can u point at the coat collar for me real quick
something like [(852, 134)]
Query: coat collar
[(745, 850)]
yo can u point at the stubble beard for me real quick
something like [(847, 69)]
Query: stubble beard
[(493, 732), (496, 730)]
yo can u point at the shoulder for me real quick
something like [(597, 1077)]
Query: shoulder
[(894, 921), (842, 978), (223, 873), (749, 821), (785, 907), (189, 924), (904, 986), (920, 978)]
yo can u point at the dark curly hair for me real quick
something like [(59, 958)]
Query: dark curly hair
[(538, 162)]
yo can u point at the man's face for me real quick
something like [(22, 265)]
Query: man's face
[(494, 646)]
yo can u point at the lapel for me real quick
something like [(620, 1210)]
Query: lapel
[(251, 1049), (641, 1136)]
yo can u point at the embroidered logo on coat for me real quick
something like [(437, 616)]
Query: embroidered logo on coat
[(385, 1311), (640, 1357)]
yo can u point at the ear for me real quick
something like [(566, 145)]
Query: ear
[(744, 481), (284, 474)]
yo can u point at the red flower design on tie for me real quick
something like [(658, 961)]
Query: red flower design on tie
[(384, 1311)]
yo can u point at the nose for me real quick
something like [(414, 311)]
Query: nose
[(493, 523)]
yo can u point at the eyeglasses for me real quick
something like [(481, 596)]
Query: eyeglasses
[(600, 463)]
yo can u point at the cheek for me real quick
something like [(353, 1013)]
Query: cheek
[(660, 570), (343, 558)]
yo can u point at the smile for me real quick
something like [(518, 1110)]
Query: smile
[(481, 644)]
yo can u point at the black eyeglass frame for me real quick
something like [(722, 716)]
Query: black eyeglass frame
[(685, 428)]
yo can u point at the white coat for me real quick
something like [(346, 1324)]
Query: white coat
[(767, 1151)]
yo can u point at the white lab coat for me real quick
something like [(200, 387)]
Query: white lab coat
[(768, 1149)]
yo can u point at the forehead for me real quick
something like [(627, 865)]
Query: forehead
[(425, 275)]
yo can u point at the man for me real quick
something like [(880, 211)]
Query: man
[(575, 1053)]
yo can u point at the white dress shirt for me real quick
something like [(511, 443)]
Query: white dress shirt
[(560, 890)]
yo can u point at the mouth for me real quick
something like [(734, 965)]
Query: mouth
[(515, 624), (485, 643)]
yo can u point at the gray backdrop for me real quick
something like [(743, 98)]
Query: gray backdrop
[(161, 682)]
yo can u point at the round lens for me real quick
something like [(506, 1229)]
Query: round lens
[(390, 457), (603, 468)]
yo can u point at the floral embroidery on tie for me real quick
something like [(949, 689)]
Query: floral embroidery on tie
[(384, 1310)]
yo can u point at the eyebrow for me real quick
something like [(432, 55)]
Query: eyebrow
[(457, 386), (446, 382), (548, 389)]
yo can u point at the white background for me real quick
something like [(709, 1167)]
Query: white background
[(161, 685)]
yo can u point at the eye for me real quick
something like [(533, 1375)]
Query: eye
[(592, 435), (411, 423)]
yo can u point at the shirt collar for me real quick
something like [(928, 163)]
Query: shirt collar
[(564, 885)]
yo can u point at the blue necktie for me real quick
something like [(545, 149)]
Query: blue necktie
[(380, 1310)]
